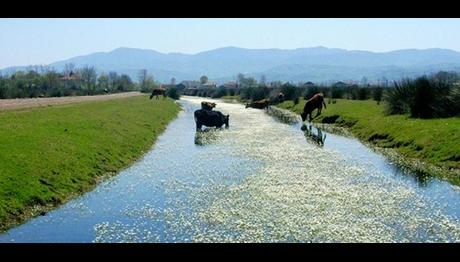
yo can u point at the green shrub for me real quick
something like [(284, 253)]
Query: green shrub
[(310, 92), (336, 92), (424, 98), (296, 100), (398, 98), (173, 93), (377, 94), (254, 93), (222, 91), (363, 93), (290, 91)]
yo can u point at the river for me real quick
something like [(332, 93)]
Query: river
[(260, 180)]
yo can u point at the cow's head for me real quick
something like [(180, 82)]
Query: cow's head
[(304, 116), (208, 105)]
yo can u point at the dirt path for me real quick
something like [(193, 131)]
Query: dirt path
[(11, 104)]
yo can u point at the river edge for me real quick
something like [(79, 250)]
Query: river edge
[(30, 212), (417, 166)]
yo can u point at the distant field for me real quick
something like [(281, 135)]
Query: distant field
[(11, 104), (50, 154), (435, 141)]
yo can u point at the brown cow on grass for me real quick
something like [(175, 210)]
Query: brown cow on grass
[(207, 105), (158, 91), (261, 104), (316, 102)]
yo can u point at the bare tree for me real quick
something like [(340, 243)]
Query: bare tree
[(89, 77), (263, 80), (103, 83), (113, 77), (31, 68), (69, 68), (142, 77), (239, 78), (364, 81), (384, 82)]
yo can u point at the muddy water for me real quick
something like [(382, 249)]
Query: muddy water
[(261, 180)]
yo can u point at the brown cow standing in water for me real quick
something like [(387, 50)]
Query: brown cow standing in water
[(157, 92), (261, 104), (316, 102), (207, 105)]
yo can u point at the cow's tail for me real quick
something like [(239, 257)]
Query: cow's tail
[(324, 103)]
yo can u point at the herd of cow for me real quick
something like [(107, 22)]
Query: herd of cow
[(208, 117)]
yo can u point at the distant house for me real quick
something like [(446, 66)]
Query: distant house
[(72, 76), (208, 85), (180, 86), (168, 86), (190, 84), (231, 84)]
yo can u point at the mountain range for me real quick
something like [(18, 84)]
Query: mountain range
[(316, 64)]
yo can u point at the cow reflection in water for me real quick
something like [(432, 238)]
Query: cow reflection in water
[(317, 137), (207, 136)]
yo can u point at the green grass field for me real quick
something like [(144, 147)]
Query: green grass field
[(48, 155), (434, 141)]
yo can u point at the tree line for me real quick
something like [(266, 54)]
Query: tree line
[(248, 88), (435, 95), (71, 81)]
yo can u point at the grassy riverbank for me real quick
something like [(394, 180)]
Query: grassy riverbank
[(433, 141), (51, 154)]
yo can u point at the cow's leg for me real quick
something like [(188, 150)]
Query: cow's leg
[(318, 112), (198, 126)]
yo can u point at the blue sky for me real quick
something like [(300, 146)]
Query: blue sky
[(43, 41)]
